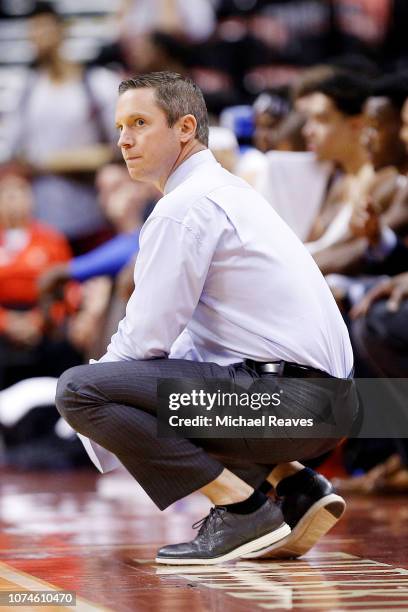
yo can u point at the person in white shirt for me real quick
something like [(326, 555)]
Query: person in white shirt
[(224, 291), (62, 130)]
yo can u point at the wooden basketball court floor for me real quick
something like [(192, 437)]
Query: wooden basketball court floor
[(97, 535)]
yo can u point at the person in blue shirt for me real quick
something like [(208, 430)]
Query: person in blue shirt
[(126, 207)]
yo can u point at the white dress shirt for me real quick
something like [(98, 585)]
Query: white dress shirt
[(220, 277)]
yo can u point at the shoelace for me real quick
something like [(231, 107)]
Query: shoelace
[(203, 523)]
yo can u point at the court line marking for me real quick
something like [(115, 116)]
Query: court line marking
[(250, 583), (24, 581)]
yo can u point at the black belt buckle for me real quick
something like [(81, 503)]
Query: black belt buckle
[(287, 369), (266, 367)]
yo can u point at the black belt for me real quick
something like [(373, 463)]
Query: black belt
[(286, 368)]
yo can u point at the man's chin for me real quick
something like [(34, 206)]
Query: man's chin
[(134, 174)]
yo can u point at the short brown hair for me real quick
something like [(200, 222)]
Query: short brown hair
[(347, 90), (176, 95)]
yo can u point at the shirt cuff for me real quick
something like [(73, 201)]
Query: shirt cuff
[(387, 243)]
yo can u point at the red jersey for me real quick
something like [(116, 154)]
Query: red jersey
[(20, 270)]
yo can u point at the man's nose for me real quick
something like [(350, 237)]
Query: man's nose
[(125, 139)]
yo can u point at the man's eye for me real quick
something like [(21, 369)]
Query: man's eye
[(139, 122)]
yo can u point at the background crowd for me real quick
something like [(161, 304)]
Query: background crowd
[(308, 101)]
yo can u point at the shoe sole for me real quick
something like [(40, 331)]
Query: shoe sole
[(266, 540), (317, 521)]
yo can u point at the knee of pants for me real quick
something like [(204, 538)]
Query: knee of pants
[(73, 394)]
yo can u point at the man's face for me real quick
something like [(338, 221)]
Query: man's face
[(380, 135), (149, 146), (15, 202), (265, 126), (404, 128), (327, 131), (45, 34)]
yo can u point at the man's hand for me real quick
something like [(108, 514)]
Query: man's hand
[(23, 328), (365, 223), (52, 281), (396, 289)]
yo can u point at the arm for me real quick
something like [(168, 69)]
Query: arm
[(353, 255), (170, 273), (396, 217), (384, 254), (85, 159), (96, 295), (342, 258), (107, 259), (395, 289)]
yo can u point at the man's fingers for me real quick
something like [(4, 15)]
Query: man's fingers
[(359, 309), (378, 292), (396, 298)]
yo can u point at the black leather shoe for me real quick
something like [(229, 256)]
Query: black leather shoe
[(224, 536), (310, 512)]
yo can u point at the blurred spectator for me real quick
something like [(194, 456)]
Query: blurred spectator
[(194, 22), (383, 123), (158, 34), (334, 129), (363, 25), (295, 184), (379, 329), (125, 204), (289, 134), (273, 38), (270, 108), (356, 63), (332, 101), (28, 344), (240, 121), (380, 339), (387, 190), (108, 179), (62, 130), (132, 55), (224, 145), (387, 153)]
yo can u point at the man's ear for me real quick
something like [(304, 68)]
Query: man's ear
[(187, 128)]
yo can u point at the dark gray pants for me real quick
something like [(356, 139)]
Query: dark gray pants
[(115, 405), (380, 340)]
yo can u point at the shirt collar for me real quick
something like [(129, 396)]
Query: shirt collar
[(189, 165)]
